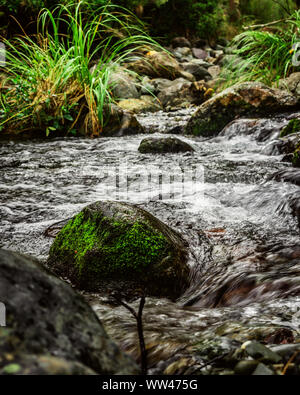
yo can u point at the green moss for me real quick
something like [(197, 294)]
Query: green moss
[(12, 368), (296, 156), (104, 246), (292, 127)]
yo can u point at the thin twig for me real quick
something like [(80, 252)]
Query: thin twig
[(264, 24), (139, 320)]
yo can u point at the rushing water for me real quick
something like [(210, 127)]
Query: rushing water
[(244, 242)]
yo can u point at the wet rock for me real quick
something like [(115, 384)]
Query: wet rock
[(119, 246), (121, 123), (287, 175), (246, 367), (144, 104), (172, 145), (179, 42), (50, 328), (250, 98), (263, 370), (159, 64), (199, 53), (260, 352), (291, 83), (197, 70)]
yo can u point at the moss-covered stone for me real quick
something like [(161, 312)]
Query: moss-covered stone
[(118, 241), (296, 156), (245, 99), (292, 127)]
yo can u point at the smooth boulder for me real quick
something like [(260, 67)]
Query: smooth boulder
[(152, 145), (244, 99), (119, 246), (49, 328)]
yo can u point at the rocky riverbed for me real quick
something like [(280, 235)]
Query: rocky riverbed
[(227, 197)]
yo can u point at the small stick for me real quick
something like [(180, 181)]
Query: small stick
[(139, 319)]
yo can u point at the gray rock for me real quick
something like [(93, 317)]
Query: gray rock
[(47, 319), (263, 370), (164, 145), (291, 83), (199, 53), (123, 85), (198, 71), (259, 351)]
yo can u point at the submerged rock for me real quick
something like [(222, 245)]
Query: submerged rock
[(49, 328), (121, 244), (152, 145), (250, 98)]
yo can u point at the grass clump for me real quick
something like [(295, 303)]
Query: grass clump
[(265, 55), (51, 84)]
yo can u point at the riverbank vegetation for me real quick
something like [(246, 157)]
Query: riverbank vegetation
[(60, 55)]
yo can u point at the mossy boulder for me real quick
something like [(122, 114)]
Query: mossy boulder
[(244, 99), (119, 245), (292, 127)]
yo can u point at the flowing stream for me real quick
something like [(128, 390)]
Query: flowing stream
[(244, 241)]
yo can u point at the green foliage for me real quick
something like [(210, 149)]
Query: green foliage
[(265, 56), (51, 84), (263, 11)]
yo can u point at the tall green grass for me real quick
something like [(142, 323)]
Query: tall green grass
[(265, 55), (60, 79)]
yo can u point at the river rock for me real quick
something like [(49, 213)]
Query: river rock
[(145, 104), (182, 93), (121, 245), (287, 175), (120, 123), (159, 64), (123, 85), (199, 53), (183, 54), (179, 42), (259, 351), (249, 98), (49, 328), (198, 71), (263, 370), (152, 145), (291, 83)]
